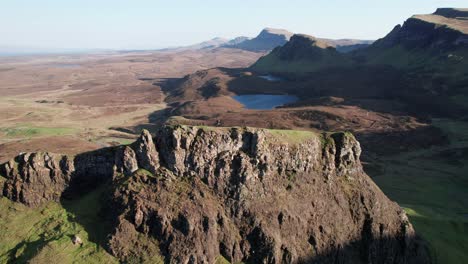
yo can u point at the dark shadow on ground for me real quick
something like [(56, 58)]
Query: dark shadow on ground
[(92, 211), (370, 250)]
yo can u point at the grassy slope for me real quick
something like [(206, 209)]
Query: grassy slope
[(32, 131), (432, 186), (454, 63), (44, 234), (271, 63)]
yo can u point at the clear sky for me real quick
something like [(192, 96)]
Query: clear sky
[(139, 24)]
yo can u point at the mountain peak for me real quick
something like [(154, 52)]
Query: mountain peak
[(268, 39), (277, 31)]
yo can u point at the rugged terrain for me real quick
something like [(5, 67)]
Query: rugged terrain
[(71, 103), (198, 195), (388, 94), (148, 197), (426, 58)]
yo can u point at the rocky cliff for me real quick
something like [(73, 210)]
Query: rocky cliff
[(447, 28), (199, 195)]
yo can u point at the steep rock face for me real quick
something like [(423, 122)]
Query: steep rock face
[(419, 33), (34, 178), (243, 194), (446, 29), (146, 152), (432, 52)]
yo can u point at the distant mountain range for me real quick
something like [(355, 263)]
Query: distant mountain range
[(268, 39), (441, 36), (426, 57)]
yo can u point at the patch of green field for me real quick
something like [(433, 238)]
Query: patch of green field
[(288, 136), (292, 136), (27, 131), (446, 235), (221, 260), (431, 184), (44, 234)]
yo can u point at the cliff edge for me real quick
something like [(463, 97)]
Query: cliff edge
[(201, 194)]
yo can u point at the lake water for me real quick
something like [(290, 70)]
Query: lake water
[(271, 78), (264, 101)]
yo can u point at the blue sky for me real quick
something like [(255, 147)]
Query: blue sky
[(128, 24)]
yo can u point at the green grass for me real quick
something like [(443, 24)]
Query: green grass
[(432, 187), (292, 136), (27, 131), (272, 63), (288, 136), (447, 235), (44, 234), (453, 64), (221, 260)]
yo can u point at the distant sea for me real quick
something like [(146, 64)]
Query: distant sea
[(52, 52)]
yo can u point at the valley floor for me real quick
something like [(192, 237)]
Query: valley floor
[(75, 103), (431, 184)]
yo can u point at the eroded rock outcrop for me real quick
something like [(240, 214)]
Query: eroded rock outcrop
[(35, 178), (195, 195)]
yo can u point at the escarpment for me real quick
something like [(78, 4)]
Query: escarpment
[(198, 195), (446, 29)]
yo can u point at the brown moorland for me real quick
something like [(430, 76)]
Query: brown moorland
[(76, 100)]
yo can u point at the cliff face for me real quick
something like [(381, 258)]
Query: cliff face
[(446, 30), (196, 195), (424, 32)]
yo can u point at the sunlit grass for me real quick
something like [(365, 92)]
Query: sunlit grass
[(44, 234), (29, 131)]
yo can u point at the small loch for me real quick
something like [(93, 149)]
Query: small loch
[(271, 78), (264, 101)]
